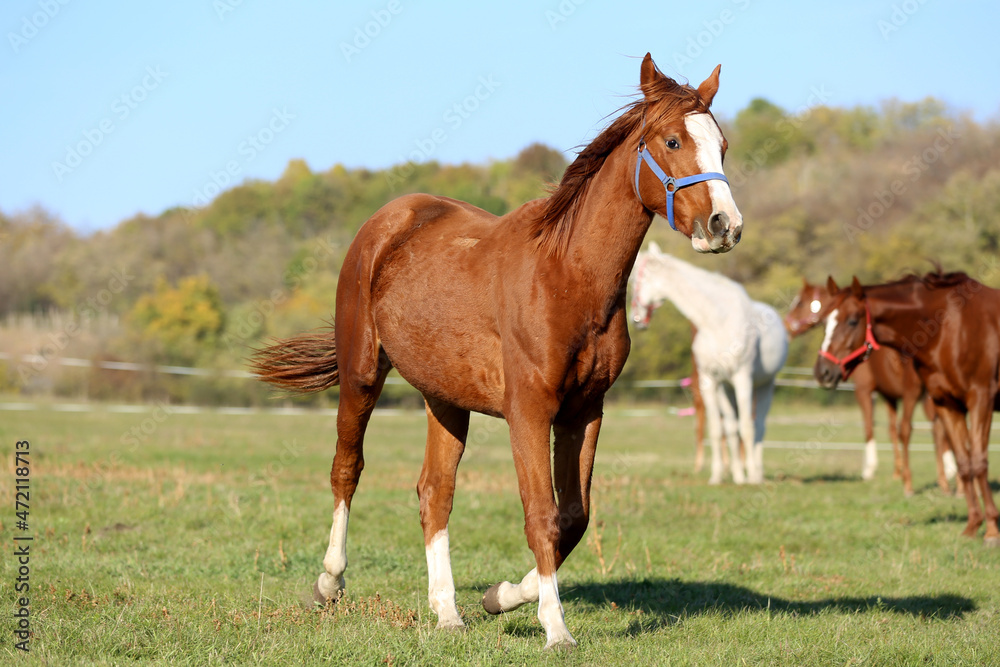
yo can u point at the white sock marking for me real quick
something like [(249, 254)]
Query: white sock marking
[(550, 613), (440, 583), (871, 460), (511, 596), (331, 582), (950, 466)]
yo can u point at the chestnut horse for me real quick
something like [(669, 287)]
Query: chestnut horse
[(521, 317), (891, 375), (948, 325)]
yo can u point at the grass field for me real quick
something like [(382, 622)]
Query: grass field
[(201, 543)]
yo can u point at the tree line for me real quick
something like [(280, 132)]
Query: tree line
[(872, 192)]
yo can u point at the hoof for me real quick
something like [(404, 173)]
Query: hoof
[(321, 598), (991, 541), (451, 626), (318, 596), (567, 644), (491, 600), (908, 493)]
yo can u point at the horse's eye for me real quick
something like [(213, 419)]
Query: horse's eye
[(673, 144), (853, 322)]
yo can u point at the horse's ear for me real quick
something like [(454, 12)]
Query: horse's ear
[(649, 75), (654, 248), (710, 86), (831, 285), (857, 289)]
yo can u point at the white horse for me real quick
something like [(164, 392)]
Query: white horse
[(739, 348)]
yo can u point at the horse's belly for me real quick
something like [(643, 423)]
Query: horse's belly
[(440, 342)]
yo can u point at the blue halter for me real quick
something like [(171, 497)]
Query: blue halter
[(670, 184)]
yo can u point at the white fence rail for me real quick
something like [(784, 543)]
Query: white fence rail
[(35, 360)]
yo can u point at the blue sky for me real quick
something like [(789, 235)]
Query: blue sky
[(115, 108)]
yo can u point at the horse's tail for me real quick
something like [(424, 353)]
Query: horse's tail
[(301, 364)]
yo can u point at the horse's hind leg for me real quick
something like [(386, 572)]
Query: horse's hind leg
[(447, 428), (699, 421), (905, 432), (945, 458), (360, 385), (763, 396)]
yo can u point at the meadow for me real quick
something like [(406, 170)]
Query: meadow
[(196, 538)]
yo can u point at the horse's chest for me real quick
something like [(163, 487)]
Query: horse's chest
[(599, 361)]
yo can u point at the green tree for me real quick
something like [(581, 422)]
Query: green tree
[(182, 323)]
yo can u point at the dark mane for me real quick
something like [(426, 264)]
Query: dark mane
[(936, 279), (662, 102)]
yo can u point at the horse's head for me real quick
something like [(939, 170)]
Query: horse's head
[(808, 308), (848, 340), (645, 298), (678, 172)]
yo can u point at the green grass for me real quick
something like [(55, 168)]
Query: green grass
[(202, 544)]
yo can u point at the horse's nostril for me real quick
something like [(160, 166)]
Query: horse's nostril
[(718, 224)]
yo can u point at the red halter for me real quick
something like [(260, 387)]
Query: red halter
[(864, 351)]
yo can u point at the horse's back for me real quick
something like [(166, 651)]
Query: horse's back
[(429, 277)]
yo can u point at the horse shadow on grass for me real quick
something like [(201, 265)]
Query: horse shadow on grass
[(665, 602)]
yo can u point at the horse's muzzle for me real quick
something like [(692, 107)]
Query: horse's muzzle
[(720, 235), (826, 374)]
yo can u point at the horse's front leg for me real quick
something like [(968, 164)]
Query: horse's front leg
[(530, 427), (730, 426), (447, 428), (743, 386)]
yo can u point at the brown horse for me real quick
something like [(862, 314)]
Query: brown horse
[(947, 323), (521, 317), (893, 377)]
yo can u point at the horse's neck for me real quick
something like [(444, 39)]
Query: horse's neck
[(697, 295), (609, 228), (897, 312)]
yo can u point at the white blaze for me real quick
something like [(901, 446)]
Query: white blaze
[(815, 306), (708, 146), (831, 324)]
